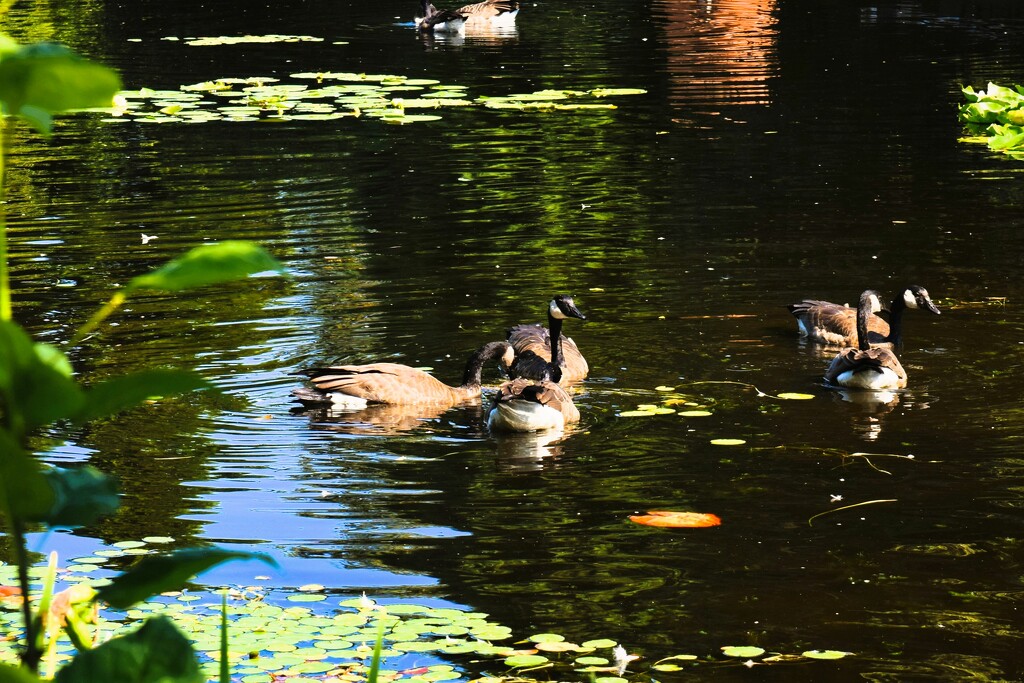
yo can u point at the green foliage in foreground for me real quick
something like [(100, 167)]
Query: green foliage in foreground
[(38, 389), (995, 117)]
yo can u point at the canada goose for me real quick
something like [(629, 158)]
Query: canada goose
[(544, 354), (523, 405), (827, 323), (355, 386), (865, 367), (487, 13)]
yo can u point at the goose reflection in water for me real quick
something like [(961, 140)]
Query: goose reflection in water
[(528, 451), (378, 419), (483, 35), (871, 407)]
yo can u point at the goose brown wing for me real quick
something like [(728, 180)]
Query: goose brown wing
[(871, 360), (532, 347), (487, 9), (835, 324), (545, 393), (383, 383)]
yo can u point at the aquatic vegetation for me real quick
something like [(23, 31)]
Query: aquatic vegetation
[(384, 97), (995, 117), (349, 639)]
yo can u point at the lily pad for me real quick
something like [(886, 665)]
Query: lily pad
[(742, 651), (522, 661), (826, 654)]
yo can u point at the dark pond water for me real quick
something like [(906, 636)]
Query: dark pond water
[(783, 150)]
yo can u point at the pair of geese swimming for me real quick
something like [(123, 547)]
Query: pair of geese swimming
[(540, 361), (869, 360), (490, 13)]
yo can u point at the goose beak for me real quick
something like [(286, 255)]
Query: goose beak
[(568, 307), (930, 307)]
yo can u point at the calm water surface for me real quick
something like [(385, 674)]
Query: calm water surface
[(782, 151)]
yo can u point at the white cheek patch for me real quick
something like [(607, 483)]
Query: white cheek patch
[(556, 312), (876, 305), (909, 299)]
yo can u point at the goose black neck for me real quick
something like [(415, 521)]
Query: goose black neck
[(475, 364), (896, 320), (863, 311), (555, 332)]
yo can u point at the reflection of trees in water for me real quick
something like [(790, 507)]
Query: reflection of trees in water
[(718, 52)]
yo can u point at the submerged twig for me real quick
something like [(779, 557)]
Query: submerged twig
[(879, 455), (847, 507), (742, 384)]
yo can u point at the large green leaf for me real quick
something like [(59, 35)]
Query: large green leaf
[(13, 674), (155, 653), (80, 496), (207, 265), (41, 79), (24, 488), (121, 393), (160, 573), (34, 381)]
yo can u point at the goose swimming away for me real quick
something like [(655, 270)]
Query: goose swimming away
[(824, 322), (865, 367), (356, 386), (524, 405)]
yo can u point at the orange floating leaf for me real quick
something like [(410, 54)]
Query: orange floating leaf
[(668, 518)]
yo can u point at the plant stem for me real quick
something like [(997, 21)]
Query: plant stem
[(30, 658), (99, 316), (5, 280)]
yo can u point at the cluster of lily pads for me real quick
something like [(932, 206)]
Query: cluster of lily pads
[(995, 117), (273, 639), (672, 402), (334, 95)]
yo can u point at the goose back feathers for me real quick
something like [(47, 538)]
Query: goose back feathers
[(832, 324), (523, 405), (393, 383), (489, 12), (865, 367)]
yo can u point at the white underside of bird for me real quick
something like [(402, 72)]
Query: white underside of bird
[(524, 416), (869, 378)]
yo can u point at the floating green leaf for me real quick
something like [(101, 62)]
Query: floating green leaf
[(826, 654), (728, 442), (599, 643), (523, 661), (742, 651), (792, 396)]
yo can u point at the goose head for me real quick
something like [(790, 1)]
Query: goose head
[(916, 296), (562, 307)]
